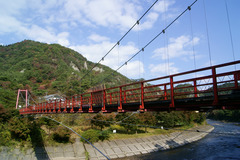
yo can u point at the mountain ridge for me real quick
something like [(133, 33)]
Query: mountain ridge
[(47, 69)]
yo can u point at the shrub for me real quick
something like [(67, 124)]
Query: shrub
[(128, 120), (99, 120), (19, 128), (61, 135), (93, 135), (5, 136), (104, 135)]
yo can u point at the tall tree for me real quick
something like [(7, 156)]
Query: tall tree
[(128, 121), (147, 119), (99, 120)]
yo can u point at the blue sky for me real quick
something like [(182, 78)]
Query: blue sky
[(92, 27)]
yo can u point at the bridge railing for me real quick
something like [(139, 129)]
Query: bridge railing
[(212, 82)]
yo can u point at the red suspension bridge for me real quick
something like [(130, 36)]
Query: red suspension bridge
[(215, 87)]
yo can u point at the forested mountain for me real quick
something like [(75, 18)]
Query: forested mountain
[(47, 69)]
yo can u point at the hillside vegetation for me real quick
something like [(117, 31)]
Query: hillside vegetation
[(51, 68), (47, 69)]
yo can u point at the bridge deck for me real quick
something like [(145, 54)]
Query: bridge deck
[(219, 88)]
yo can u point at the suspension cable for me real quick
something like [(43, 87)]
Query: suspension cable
[(127, 117), (230, 32), (168, 63), (28, 100), (77, 134), (118, 55), (118, 42), (139, 57), (209, 49), (163, 31), (32, 98), (166, 44), (193, 48), (23, 97)]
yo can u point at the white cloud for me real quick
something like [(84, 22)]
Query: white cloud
[(12, 7), (97, 38), (94, 52), (177, 47), (12, 20), (133, 69), (62, 38), (118, 56), (163, 69), (151, 19), (43, 35), (163, 6), (121, 14), (9, 24), (107, 13), (24, 16)]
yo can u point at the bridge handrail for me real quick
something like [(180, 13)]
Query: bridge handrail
[(124, 94)]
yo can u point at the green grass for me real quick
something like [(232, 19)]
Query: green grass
[(122, 134)]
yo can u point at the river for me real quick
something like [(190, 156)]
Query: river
[(213, 147)]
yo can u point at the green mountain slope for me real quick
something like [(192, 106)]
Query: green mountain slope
[(47, 69)]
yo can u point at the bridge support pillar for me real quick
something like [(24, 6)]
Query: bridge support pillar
[(120, 107), (172, 92), (59, 106), (91, 104), (65, 106), (120, 100), (104, 101), (73, 102), (165, 92), (81, 104), (141, 108), (45, 108), (195, 88), (55, 105), (236, 79), (215, 89), (26, 98)]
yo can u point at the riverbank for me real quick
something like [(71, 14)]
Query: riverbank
[(135, 146), (113, 149), (221, 144), (128, 147)]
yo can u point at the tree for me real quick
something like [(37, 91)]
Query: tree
[(128, 121), (93, 135), (147, 119), (7, 98), (50, 124), (61, 134), (5, 135), (99, 120), (20, 128), (6, 114), (186, 90)]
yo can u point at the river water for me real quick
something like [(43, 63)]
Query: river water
[(214, 146)]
